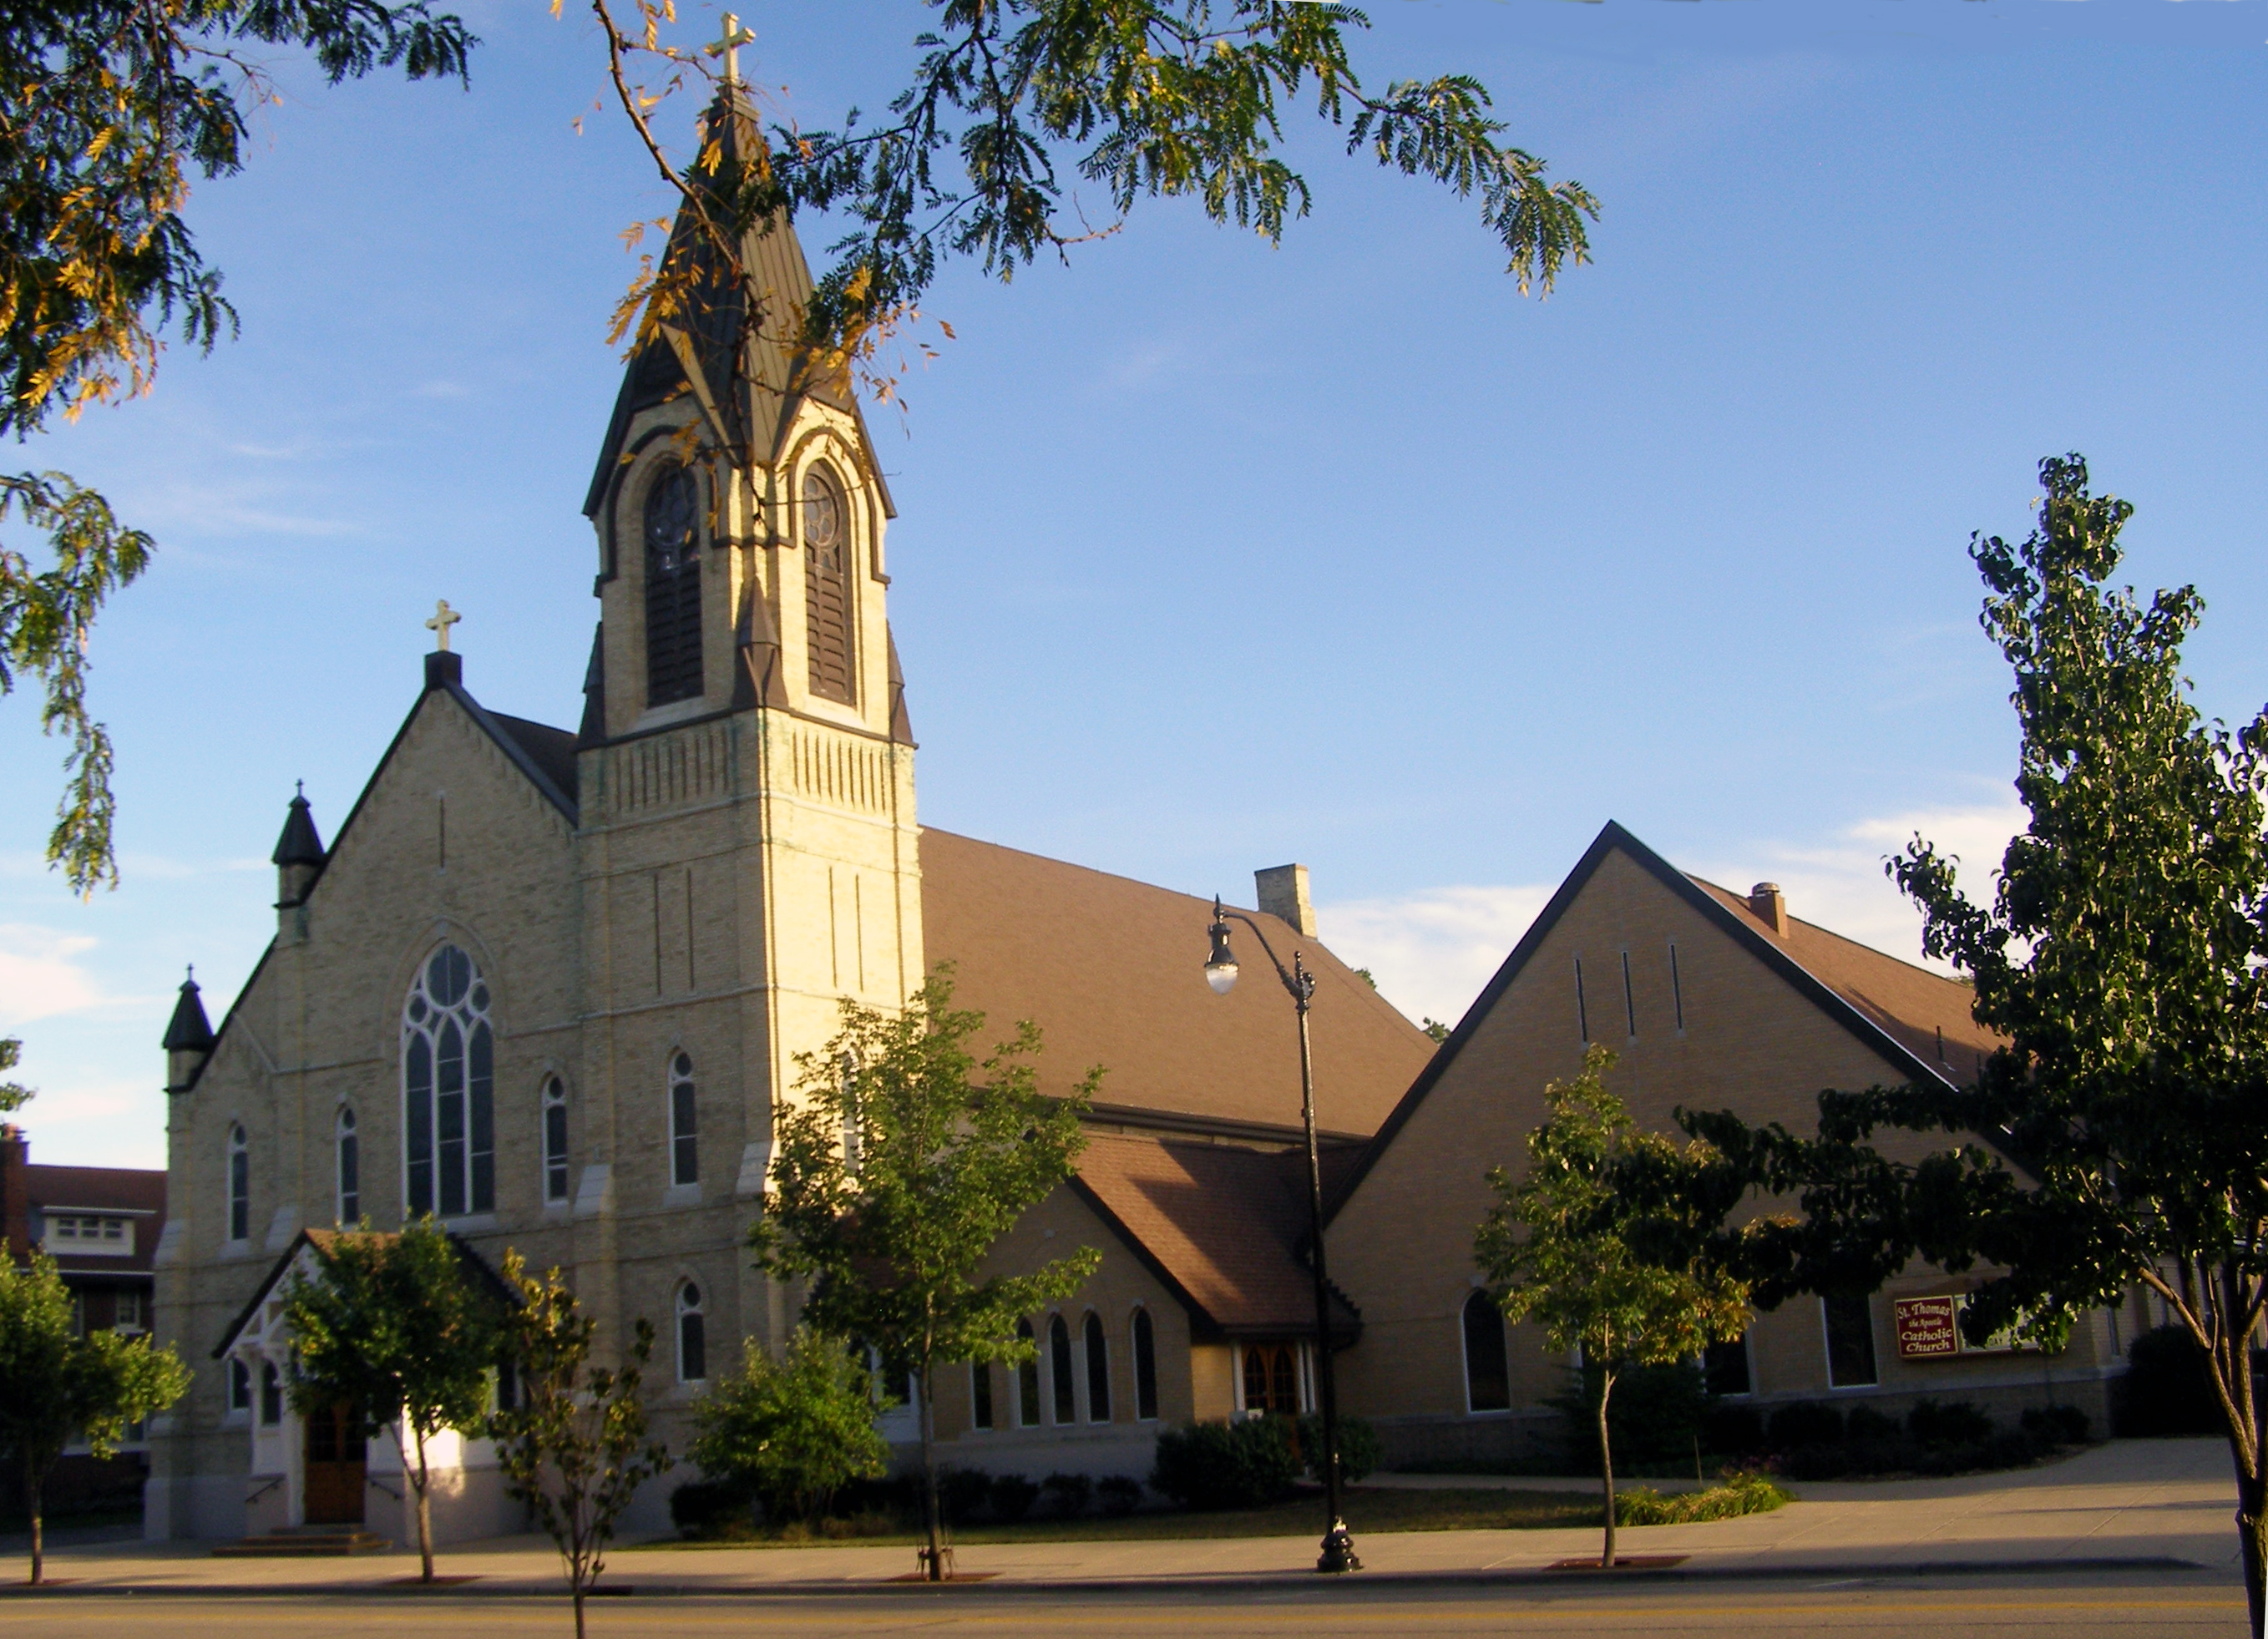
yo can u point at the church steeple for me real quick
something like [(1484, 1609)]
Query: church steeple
[(298, 856), (189, 1037)]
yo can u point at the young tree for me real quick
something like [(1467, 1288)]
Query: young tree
[(14, 1095), (402, 1328), (573, 1444), (1571, 1254), (795, 1431), (902, 1163), (2122, 954), (57, 1384), (109, 105)]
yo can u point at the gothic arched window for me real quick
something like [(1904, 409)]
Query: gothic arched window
[(1059, 1371), (826, 598), (1145, 1366), (684, 1123), (239, 1184), (350, 1146), (1028, 1382), (448, 1088), (672, 588), (692, 1336), (1097, 1368), (555, 1140), (1488, 1383)]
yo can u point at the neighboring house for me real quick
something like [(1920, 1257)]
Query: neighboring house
[(102, 1226), (1710, 1000)]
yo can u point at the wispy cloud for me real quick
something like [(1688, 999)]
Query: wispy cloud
[(1432, 951), (41, 974)]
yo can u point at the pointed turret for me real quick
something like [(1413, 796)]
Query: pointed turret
[(190, 1038), (298, 856)]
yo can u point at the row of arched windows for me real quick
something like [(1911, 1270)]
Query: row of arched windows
[(1066, 1372), (671, 534)]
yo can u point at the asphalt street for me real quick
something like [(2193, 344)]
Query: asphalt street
[(2133, 1606)]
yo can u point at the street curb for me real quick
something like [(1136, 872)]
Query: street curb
[(485, 1588)]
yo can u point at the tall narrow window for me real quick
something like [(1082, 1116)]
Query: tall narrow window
[(980, 1394), (1097, 1368), (827, 587), (1028, 1382), (1850, 1324), (448, 1074), (271, 1393), (1145, 1366), (349, 1170), (692, 1336), (239, 1184), (1059, 1371), (240, 1384), (555, 1140), (684, 1123), (1725, 1366), (1582, 1008), (672, 588), (1677, 988), (1630, 1002), (1488, 1384)]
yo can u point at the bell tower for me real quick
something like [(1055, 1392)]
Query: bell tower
[(746, 760)]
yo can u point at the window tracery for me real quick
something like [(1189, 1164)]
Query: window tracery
[(448, 1073)]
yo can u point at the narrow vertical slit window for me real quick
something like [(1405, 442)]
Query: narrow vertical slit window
[(239, 1184), (349, 1146), (1059, 1372), (1146, 1367), (555, 1140), (684, 1123), (1028, 1381), (980, 1394), (692, 1336), (1582, 1008), (1097, 1368), (1677, 988), (1630, 1000)]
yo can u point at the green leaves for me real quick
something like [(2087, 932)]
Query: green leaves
[(13, 1094), (794, 1431)]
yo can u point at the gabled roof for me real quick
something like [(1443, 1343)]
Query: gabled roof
[(133, 1191), (321, 1242), (1222, 1226), (1893, 1007), (1113, 972)]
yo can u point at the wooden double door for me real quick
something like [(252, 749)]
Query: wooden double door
[(335, 1467)]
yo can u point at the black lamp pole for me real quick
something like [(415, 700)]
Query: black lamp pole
[(1220, 972)]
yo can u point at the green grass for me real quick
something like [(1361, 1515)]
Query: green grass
[(1367, 1512)]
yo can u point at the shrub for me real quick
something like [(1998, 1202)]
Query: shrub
[(1732, 1430), (1959, 1424), (709, 1508), (1816, 1462), (1121, 1495), (1866, 1423), (1358, 1447), (1012, 1496), (962, 1493), (1806, 1422), (1653, 1416), (2057, 1425), (1068, 1493), (1227, 1464), (792, 1432), (1739, 1493), (2168, 1388)]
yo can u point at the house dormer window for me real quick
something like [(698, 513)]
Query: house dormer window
[(448, 1076), (826, 588), (672, 588)]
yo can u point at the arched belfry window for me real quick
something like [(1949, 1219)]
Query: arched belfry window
[(827, 597), (673, 587), (448, 1088)]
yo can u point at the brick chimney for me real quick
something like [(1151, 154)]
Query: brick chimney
[(1769, 906), (1283, 891), (15, 1190)]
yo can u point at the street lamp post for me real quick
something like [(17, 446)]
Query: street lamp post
[(1220, 972)]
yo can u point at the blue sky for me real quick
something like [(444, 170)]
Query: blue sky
[(1213, 555)]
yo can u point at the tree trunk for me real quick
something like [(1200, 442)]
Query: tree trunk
[(579, 1606), (2252, 1535), (1607, 1468), (424, 1509), (929, 1474), (32, 1488)]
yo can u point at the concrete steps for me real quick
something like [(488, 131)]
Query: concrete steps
[(306, 1542)]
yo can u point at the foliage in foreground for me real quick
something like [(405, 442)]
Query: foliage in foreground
[(1736, 1495), (1227, 1465), (792, 1432)]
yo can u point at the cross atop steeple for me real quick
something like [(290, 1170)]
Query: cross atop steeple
[(728, 45), (444, 618)]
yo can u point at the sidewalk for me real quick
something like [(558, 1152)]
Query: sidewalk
[(2167, 1502)]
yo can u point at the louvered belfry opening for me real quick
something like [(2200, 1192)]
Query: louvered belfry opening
[(827, 586), (673, 589)]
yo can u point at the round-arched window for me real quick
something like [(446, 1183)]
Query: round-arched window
[(692, 1336), (448, 1088)]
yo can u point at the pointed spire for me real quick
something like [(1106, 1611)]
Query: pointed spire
[(298, 845), (190, 1031)]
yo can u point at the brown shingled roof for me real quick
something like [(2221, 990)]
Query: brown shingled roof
[(1910, 1004), (1112, 971), (1218, 1222), (96, 1189)]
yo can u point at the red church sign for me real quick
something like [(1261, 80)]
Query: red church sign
[(1927, 1327)]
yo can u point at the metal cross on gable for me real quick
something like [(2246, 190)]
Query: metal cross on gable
[(444, 618), (728, 45)]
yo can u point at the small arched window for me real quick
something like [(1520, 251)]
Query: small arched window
[(349, 1147), (448, 1074), (1145, 1366), (1059, 1371), (1097, 1368), (684, 1123), (1028, 1382), (1488, 1383), (692, 1336), (239, 1184), (554, 1139), (827, 597), (672, 588)]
